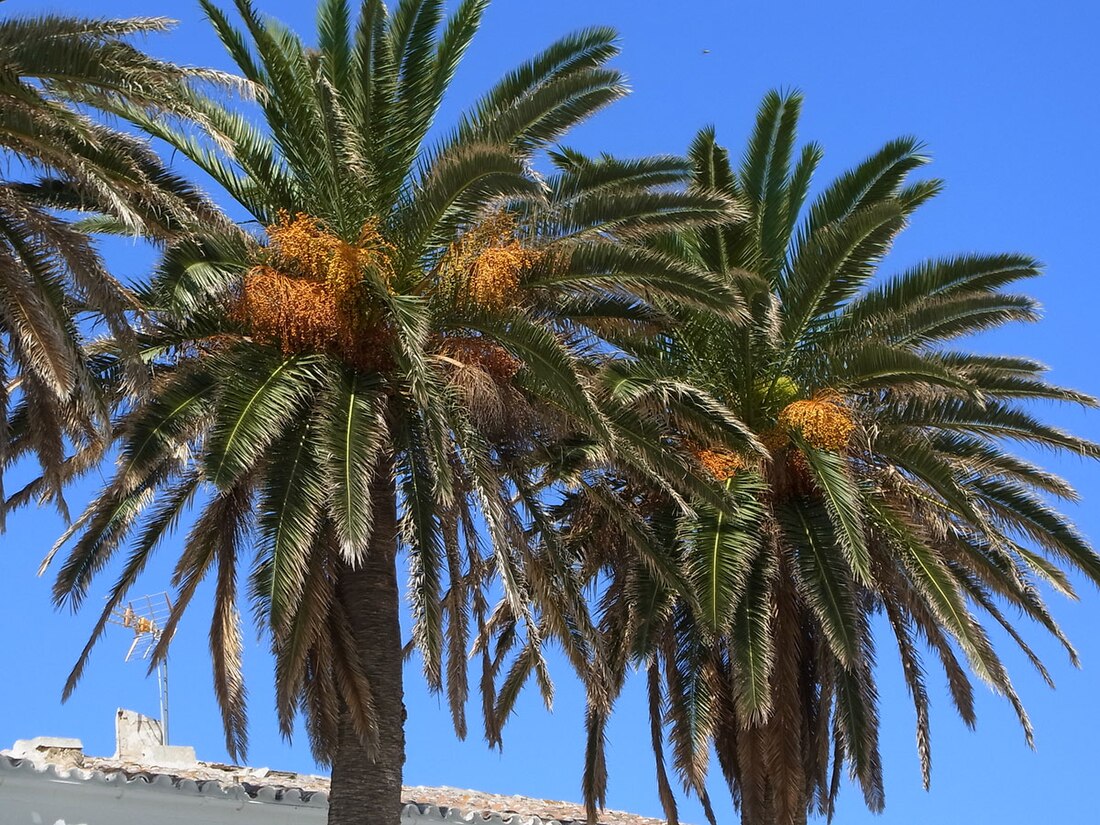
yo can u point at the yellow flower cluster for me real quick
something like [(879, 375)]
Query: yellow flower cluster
[(302, 243), (483, 267), (486, 355), (824, 421), (494, 280), (303, 248), (721, 464), (297, 314), (305, 296)]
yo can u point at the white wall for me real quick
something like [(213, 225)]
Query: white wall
[(43, 799)]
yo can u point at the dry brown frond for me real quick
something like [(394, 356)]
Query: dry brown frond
[(226, 648), (480, 372), (457, 607), (486, 355), (657, 737)]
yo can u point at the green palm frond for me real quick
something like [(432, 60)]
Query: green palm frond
[(291, 505), (355, 436), (61, 75)]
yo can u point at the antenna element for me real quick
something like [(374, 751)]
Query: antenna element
[(147, 621)]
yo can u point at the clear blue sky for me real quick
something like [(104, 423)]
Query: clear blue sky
[(1004, 94)]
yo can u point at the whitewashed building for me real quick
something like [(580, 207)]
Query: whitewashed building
[(51, 781)]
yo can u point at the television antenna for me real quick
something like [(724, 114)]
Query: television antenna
[(147, 619)]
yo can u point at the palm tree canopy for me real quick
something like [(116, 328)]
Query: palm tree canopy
[(413, 316), (53, 72), (889, 487)]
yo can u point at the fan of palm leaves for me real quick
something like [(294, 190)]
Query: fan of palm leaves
[(358, 379), (884, 485)]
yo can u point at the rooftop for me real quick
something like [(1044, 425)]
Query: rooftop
[(175, 769)]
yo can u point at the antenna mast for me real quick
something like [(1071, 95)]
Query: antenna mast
[(147, 621)]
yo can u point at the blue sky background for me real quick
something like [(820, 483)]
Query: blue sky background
[(1004, 94)]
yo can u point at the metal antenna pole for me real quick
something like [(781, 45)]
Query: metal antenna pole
[(162, 679)]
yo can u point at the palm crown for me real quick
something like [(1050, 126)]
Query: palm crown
[(879, 482), (357, 379)]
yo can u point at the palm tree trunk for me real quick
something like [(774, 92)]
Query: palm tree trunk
[(366, 787), (800, 818)]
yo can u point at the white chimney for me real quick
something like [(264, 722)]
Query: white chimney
[(140, 739)]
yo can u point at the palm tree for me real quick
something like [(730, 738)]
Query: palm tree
[(889, 488), (353, 384), (53, 71)]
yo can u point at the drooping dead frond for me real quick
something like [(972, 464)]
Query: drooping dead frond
[(484, 354), (480, 372)]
